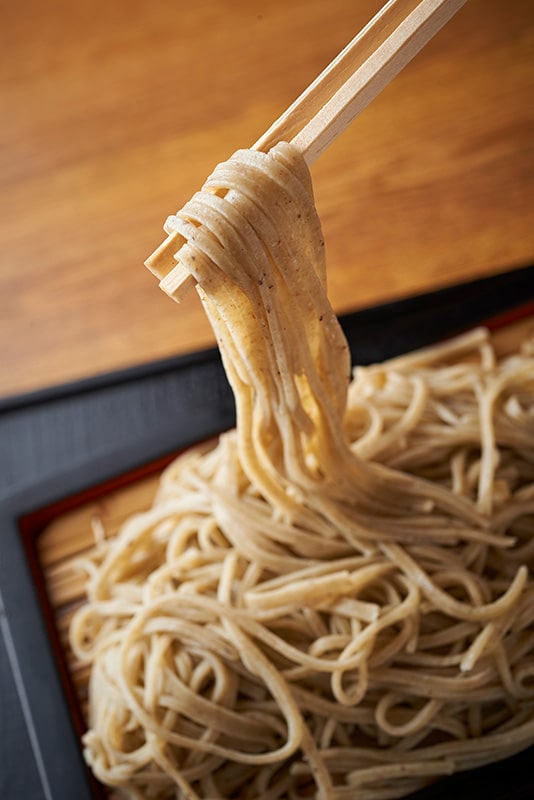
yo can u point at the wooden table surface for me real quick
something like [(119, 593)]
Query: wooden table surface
[(113, 113)]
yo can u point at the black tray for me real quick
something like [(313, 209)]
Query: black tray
[(61, 445)]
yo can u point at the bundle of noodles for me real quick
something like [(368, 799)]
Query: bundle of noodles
[(335, 600)]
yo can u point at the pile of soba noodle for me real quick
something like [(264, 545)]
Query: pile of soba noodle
[(335, 600)]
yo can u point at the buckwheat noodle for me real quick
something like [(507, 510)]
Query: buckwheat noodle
[(335, 600)]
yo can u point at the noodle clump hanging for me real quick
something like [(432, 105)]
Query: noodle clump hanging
[(335, 600)]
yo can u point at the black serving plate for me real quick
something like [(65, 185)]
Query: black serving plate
[(65, 445)]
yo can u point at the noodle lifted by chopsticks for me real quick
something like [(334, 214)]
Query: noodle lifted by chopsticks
[(335, 600)]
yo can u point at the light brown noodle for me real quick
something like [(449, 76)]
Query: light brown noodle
[(335, 601)]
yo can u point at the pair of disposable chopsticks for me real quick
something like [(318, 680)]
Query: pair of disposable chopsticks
[(336, 97)]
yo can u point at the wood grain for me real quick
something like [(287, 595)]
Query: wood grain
[(113, 114)]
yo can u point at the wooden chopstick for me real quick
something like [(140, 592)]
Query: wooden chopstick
[(342, 91), (358, 74)]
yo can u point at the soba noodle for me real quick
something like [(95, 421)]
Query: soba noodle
[(334, 600)]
